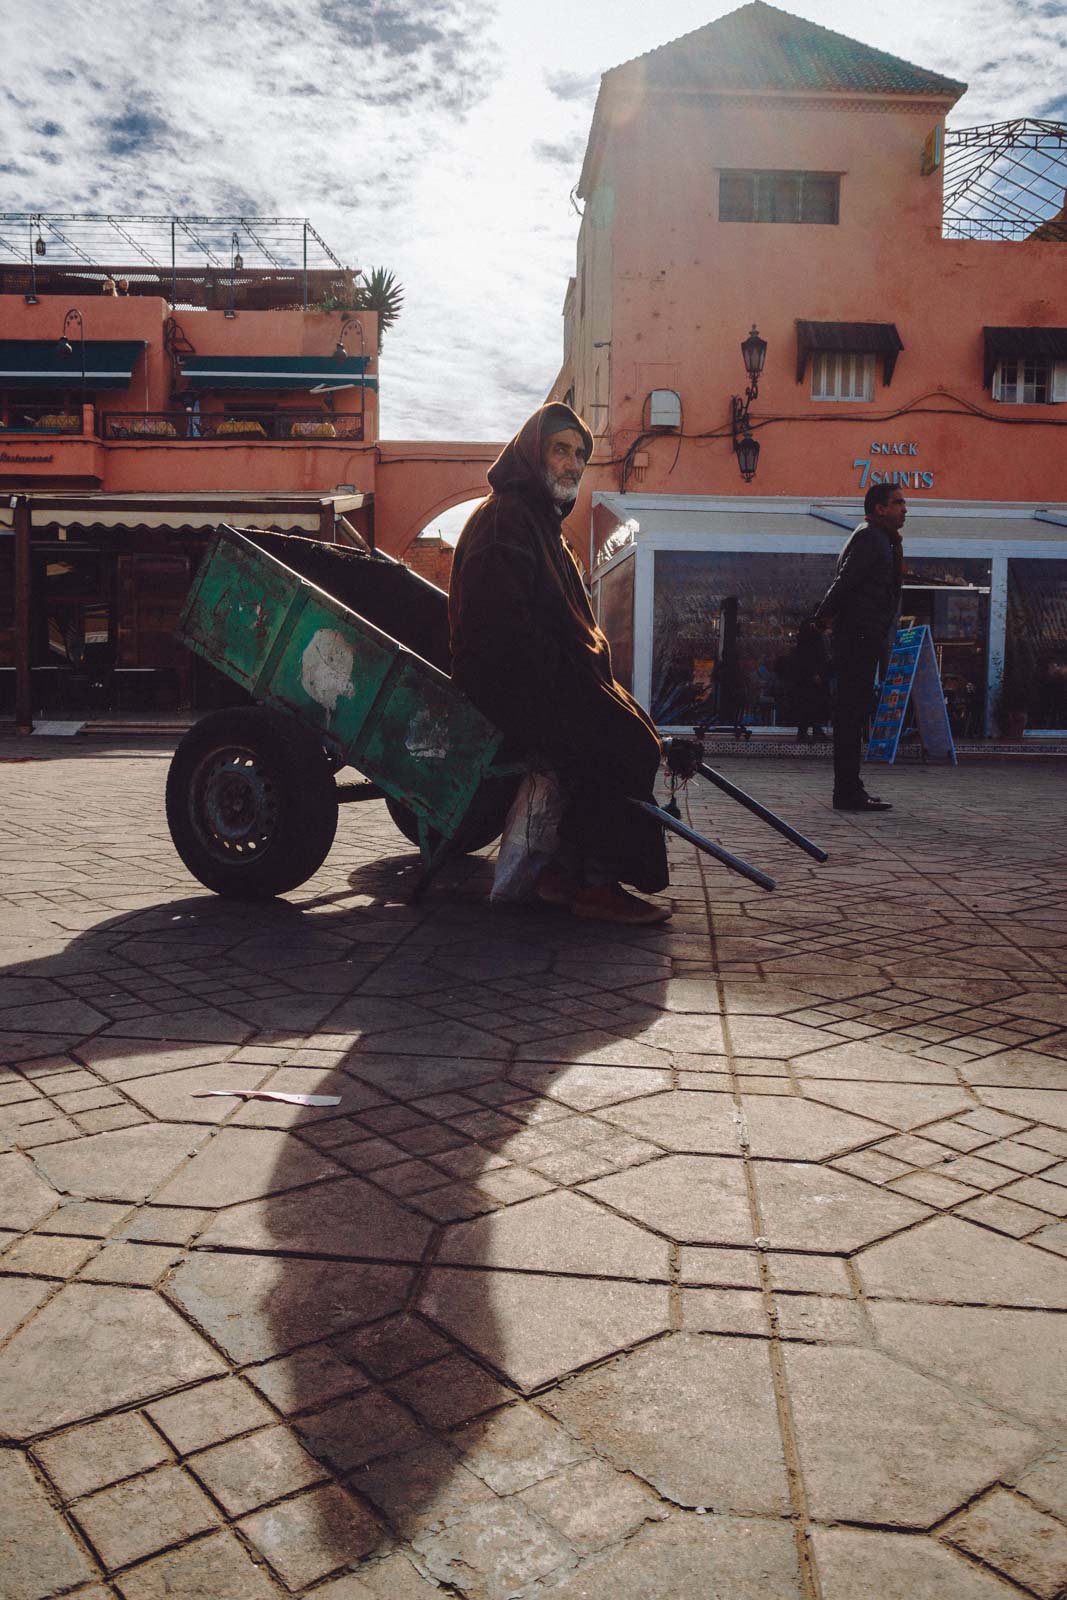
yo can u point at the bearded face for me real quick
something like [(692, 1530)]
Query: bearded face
[(562, 465)]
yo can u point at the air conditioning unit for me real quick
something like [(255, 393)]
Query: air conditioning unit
[(664, 409)]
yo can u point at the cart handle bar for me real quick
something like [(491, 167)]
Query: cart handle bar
[(764, 815), (735, 863)]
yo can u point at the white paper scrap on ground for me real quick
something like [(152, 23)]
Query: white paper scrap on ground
[(272, 1094)]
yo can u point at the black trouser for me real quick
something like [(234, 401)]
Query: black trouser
[(855, 660)]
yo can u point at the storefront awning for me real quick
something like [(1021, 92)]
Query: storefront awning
[(260, 373), (849, 338), (39, 363), (1010, 344)]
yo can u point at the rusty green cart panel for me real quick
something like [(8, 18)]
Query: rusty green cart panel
[(378, 706)]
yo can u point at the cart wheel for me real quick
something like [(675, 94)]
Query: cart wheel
[(251, 803), (483, 823)]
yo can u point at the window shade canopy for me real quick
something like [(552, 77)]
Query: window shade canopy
[(849, 338)]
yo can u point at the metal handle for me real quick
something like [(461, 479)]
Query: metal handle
[(735, 863)]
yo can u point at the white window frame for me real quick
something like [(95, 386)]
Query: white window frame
[(1010, 381), (842, 375)]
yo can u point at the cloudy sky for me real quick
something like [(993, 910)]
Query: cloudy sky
[(441, 138)]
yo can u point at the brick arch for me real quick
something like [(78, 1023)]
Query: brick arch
[(413, 483)]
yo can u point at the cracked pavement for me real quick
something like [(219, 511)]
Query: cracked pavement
[(721, 1259)]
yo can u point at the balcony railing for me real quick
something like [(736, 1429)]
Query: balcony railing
[(246, 427), (51, 418)]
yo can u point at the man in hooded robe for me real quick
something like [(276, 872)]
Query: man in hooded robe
[(527, 651)]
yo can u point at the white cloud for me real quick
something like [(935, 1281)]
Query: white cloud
[(438, 137)]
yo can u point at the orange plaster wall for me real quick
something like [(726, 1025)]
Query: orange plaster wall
[(682, 289), (185, 466), (417, 480)]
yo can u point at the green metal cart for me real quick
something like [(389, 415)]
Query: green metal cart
[(251, 797)]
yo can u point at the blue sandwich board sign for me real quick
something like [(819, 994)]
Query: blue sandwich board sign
[(912, 673)]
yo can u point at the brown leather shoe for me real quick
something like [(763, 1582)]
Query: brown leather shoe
[(555, 887), (610, 902)]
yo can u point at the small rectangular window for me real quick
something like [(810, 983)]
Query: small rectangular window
[(842, 375), (778, 196), (1030, 381)]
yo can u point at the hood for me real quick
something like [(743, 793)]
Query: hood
[(518, 466)]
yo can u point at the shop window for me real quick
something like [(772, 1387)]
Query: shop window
[(778, 196), (713, 604), (1030, 381), (1035, 662), (842, 376)]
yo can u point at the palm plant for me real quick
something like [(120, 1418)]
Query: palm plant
[(380, 292)]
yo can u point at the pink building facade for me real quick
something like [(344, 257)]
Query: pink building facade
[(764, 171)]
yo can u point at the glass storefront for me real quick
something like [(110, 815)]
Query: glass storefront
[(724, 630), (726, 625), (1035, 661)]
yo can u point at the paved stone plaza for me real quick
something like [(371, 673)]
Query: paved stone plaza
[(725, 1261)]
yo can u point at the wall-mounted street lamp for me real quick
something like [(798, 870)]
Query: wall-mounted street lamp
[(341, 354), (754, 351), (236, 263), (66, 350)]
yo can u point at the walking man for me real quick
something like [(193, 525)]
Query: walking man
[(527, 651), (863, 602)]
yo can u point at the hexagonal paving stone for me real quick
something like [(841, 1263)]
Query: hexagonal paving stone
[(118, 1059), (773, 1038), (797, 1130), (683, 1119), (706, 1556), (979, 1347), (1016, 1069), (816, 1208), (126, 1165), (862, 1060), (860, 1565), (691, 1199), (879, 1443), (558, 1232), (346, 1217), (955, 1261), (243, 1164), (693, 1416), (24, 1197), (1038, 1007), (64, 1364), (587, 1088), (536, 1329), (592, 1047), (900, 1105), (255, 1307), (1036, 1105), (171, 1096)]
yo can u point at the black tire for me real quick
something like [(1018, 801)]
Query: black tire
[(251, 803), (482, 824)]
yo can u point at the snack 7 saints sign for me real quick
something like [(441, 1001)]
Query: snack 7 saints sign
[(875, 469)]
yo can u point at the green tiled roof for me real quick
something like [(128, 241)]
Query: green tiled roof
[(760, 47)]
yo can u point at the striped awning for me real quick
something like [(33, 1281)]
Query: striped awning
[(41, 364), (259, 373)]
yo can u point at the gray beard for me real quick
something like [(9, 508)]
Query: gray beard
[(564, 494)]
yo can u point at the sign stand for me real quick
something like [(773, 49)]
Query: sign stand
[(912, 672)]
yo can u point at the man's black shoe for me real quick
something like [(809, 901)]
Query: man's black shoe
[(860, 802)]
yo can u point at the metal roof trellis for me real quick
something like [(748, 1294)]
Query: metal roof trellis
[(103, 241), (1006, 180)]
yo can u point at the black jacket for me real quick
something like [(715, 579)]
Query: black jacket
[(864, 598)]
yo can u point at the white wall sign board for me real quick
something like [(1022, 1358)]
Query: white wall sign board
[(912, 673)]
